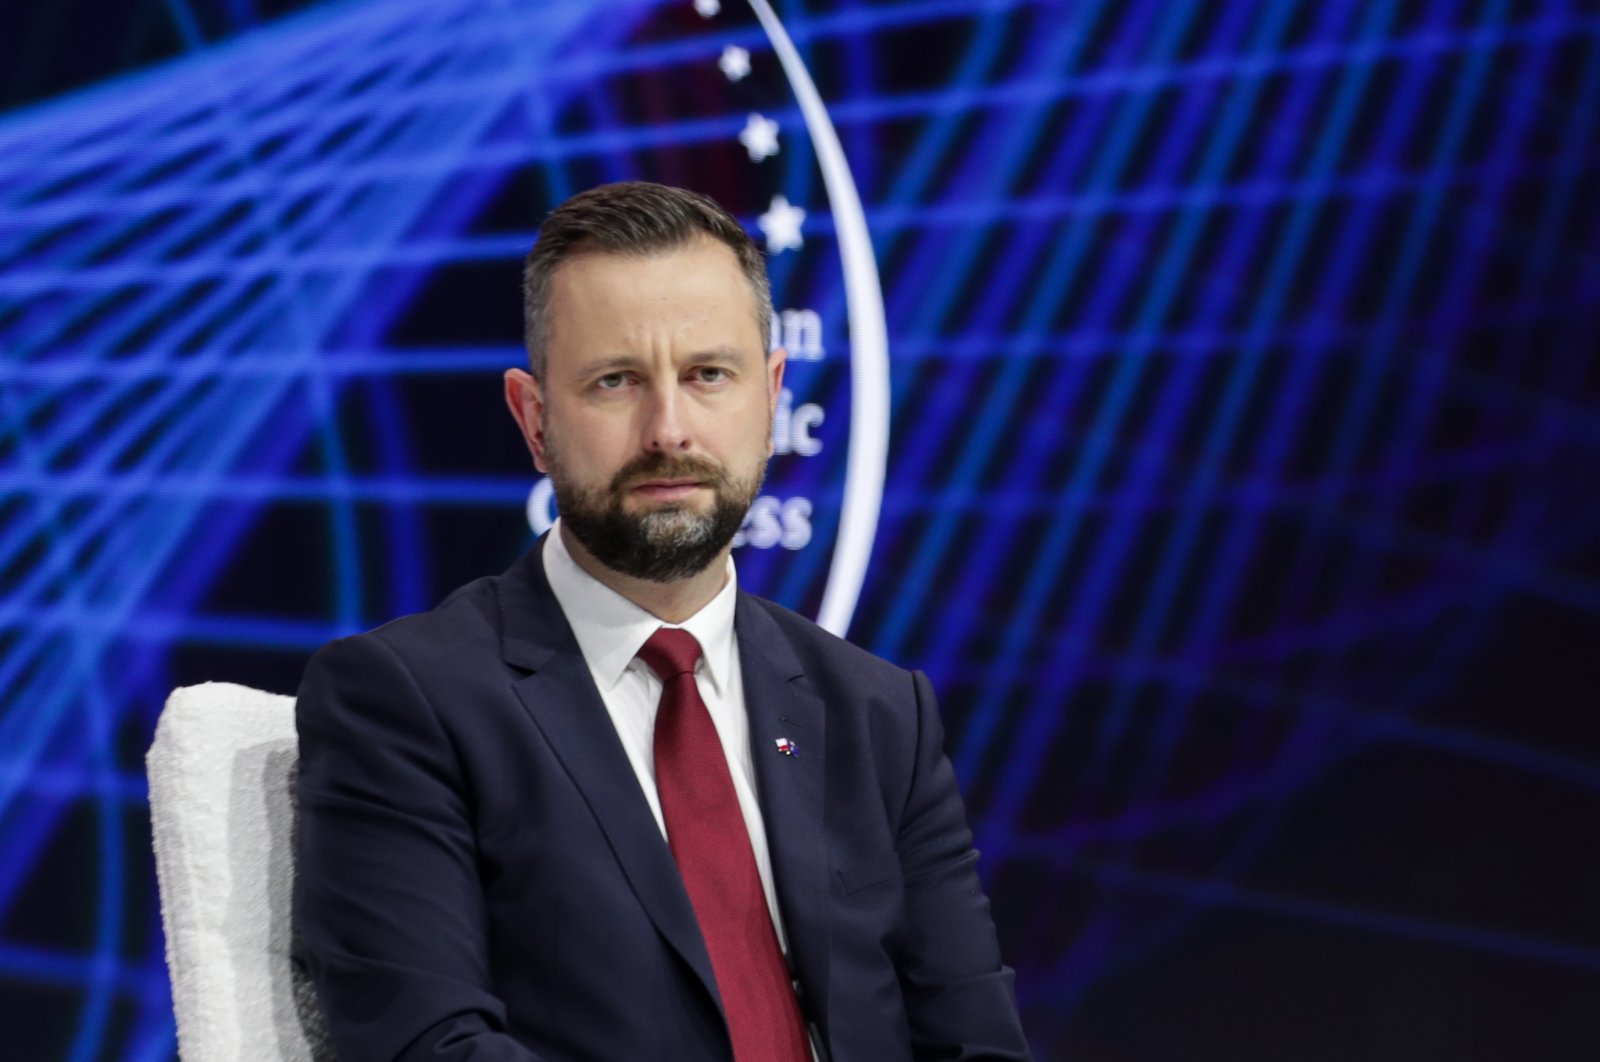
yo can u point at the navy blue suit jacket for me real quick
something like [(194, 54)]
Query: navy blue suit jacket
[(480, 877)]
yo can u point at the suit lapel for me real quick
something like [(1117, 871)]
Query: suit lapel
[(560, 696), (782, 706)]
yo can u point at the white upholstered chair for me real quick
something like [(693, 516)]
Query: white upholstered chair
[(222, 813)]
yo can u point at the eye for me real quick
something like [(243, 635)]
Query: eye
[(711, 374), (612, 381)]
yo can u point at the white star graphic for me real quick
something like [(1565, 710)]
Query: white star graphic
[(708, 8), (781, 225), (735, 63), (759, 137)]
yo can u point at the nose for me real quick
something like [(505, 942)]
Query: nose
[(665, 430)]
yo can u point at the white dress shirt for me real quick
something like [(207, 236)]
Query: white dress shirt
[(610, 631)]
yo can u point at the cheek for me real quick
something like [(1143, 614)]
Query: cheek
[(755, 440), (586, 441)]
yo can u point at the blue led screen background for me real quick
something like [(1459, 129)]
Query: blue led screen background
[(1241, 488)]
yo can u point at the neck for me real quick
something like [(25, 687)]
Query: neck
[(671, 602)]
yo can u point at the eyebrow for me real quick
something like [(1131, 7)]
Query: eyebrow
[(610, 365), (724, 353), (621, 362)]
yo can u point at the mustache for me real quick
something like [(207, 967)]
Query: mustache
[(661, 466)]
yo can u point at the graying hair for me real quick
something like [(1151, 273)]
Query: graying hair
[(633, 218)]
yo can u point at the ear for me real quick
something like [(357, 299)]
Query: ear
[(525, 399), (775, 363)]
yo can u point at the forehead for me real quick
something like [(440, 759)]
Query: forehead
[(604, 304)]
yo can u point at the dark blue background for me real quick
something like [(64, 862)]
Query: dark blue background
[(1242, 494)]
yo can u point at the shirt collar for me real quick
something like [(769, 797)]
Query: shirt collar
[(610, 629)]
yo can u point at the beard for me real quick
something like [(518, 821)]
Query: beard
[(663, 544)]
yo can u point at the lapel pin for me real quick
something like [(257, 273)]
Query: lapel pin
[(785, 746)]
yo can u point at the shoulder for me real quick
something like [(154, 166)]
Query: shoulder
[(462, 633), (468, 616), (817, 651), (430, 674)]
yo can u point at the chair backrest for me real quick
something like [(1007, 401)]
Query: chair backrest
[(222, 814)]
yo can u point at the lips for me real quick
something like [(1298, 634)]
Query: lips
[(667, 488)]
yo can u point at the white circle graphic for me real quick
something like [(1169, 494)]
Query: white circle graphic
[(868, 457)]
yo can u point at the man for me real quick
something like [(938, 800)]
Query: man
[(605, 806)]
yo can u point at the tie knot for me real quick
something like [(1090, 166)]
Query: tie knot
[(669, 652)]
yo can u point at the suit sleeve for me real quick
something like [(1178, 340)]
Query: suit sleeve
[(387, 897), (959, 997)]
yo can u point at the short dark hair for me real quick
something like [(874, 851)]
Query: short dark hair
[(634, 218)]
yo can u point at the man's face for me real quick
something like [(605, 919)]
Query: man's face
[(654, 421)]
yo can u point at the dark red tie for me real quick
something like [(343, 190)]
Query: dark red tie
[(712, 846)]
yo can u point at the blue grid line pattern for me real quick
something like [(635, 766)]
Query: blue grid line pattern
[(105, 264), (1231, 579), (1174, 563), (908, 605)]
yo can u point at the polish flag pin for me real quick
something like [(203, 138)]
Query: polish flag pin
[(785, 746)]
